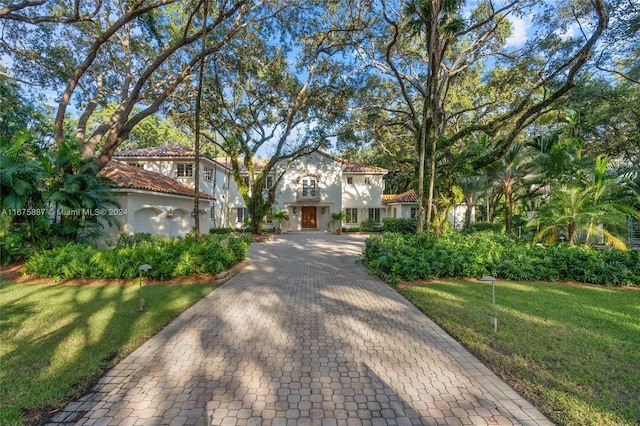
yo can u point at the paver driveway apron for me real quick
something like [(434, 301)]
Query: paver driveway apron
[(301, 336)]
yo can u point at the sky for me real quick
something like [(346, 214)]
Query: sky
[(520, 28)]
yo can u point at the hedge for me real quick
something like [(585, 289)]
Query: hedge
[(169, 258), (402, 257)]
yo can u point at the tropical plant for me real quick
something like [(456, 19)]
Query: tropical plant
[(515, 169), (402, 257), (49, 197), (73, 186), (280, 216), (24, 209), (585, 212), (169, 258), (473, 187), (336, 219)]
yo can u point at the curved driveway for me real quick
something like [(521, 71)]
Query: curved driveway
[(302, 336)]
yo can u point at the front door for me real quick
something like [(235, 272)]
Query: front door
[(309, 217)]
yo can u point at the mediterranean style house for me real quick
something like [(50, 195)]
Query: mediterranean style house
[(155, 189)]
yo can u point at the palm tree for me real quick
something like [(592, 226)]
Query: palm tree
[(515, 169), (587, 212), (472, 189), (280, 216)]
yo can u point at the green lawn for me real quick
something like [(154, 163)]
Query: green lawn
[(56, 340), (574, 351)]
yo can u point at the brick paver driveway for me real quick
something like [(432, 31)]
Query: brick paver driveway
[(301, 336)]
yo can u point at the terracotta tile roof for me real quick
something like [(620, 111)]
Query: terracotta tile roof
[(353, 167), (406, 197), (258, 163), (181, 151), (127, 176), (170, 151)]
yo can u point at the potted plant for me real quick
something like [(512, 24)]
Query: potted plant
[(337, 218), (280, 216)]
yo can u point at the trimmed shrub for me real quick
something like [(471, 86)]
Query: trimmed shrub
[(401, 257), (370, 225), (401, 225), (227, 230), (169, 258)]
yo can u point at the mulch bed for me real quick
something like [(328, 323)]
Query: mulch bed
[(16, 274)]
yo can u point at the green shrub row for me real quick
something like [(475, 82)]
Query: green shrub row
[(402, 257), (401, 225), (169, 258)]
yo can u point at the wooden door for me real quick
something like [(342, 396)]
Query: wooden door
[(309, 217)]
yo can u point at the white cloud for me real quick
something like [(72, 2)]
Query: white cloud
[(519, 29), (569, 33)]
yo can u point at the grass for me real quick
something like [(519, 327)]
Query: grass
[(56, 340), (574, 351)]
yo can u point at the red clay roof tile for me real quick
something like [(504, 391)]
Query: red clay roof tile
[(406, 197), (127, 176)]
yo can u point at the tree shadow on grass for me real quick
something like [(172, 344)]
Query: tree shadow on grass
[(58, 340), (302, 334)]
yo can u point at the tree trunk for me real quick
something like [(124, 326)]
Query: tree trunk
[(467, 214), (508, 208), (571, 230), (433, 100)]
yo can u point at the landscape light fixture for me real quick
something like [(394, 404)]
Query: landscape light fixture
[(142, 268), (494, 320)]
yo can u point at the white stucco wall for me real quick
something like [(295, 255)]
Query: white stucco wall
[(400, 211), (333, 195), (363, 196), (328, 175), (156, 214)]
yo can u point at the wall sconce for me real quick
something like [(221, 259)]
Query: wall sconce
[(295, 211), (170, 213), (322, 210)]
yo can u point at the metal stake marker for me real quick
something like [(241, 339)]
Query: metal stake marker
[(494, 320), (141, 268)]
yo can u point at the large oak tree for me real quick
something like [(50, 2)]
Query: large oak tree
[(458, 80), (133, 54)]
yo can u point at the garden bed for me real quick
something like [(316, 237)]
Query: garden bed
[(17, 274)]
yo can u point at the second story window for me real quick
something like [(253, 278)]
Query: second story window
[(367, 181), (184, 170), (208, 174), (349, 180), (309, 187)]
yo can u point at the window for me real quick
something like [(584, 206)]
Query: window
[(351, 215), (367, 181), (185, 169), (414, 212), (212, 211), (268, 218), (138, 165), (268, 183), (349, 180), (242, 214), (246, 181), (309, 187), (374, 215), (208, 174)]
